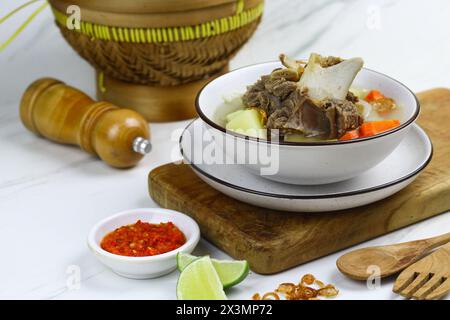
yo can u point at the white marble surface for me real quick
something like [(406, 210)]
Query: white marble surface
[(50, 195)]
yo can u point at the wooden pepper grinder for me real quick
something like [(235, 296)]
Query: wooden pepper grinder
[(64, 114)]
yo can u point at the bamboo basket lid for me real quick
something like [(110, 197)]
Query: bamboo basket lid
[(145, 6), (153, 56), (155, 13)]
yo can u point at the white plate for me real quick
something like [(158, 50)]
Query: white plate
[(398, 170)]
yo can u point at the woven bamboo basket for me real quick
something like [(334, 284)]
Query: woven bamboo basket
[(154, 55)]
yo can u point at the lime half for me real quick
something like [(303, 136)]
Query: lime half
[(200, 281), (230, 272)]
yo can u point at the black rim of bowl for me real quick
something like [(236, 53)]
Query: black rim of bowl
[(307, 144)]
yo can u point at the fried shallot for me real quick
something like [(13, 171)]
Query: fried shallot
[(301, 291)]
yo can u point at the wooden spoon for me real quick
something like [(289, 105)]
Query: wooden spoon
[(389, 259)]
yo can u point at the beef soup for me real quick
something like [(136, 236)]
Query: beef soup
[(310, 102), (321, 121)]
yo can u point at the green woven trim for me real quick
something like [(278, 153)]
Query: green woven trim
[(163, 35)]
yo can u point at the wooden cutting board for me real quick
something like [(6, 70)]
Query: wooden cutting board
[(273, 241)]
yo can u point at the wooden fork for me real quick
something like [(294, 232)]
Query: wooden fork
[(428, 278)]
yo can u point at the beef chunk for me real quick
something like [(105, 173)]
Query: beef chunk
[(351, 97), (268, 93), (290, 110), (343, 116), (330, 120)]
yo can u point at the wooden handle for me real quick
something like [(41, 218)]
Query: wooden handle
[(64, 114), (438, 241)]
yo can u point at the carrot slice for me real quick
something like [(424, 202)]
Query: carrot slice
[(374, 95), (354, 134), (372, 128)]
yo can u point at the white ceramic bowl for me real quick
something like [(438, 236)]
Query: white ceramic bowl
[(306, 163), (143, 267)]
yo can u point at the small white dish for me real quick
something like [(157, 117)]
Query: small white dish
[(307, 163), (398, 170), (143, 267)]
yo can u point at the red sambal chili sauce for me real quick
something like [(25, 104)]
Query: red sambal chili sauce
[(143, 239)]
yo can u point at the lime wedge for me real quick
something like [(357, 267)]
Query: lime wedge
[(230, 272), (183, 259), (200, 281)]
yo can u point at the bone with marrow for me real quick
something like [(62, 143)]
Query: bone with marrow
[(312, 99)]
